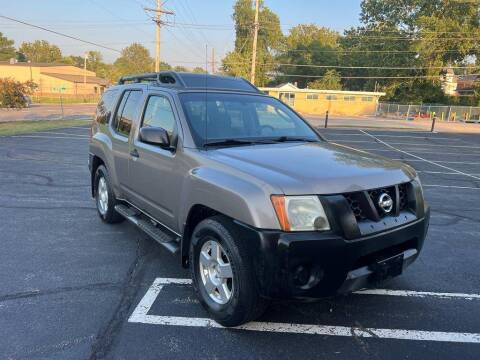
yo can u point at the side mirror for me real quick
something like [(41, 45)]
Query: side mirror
[(155, 136)]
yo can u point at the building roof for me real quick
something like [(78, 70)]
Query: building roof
[(33, 64), (78, 78), (337, 92)]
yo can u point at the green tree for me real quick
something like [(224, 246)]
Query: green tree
[(73, 60), (270, 39), (12, 93), (330, 81), (198, 70), (135, 59), (165, 66), (307, 45), (432, 34), (7, 50), (180, 69), (41, 51)]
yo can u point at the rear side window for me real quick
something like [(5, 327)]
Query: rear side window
[(159, 113), (105, 106), (126, 112)]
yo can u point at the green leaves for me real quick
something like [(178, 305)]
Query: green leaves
[(7, 50), (41, 51)]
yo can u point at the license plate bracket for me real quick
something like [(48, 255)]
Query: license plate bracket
[(388, 268)]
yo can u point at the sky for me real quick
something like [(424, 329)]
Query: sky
[(118, 23)]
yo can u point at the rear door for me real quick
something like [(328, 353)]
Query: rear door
[(154, 173), (121, 126)]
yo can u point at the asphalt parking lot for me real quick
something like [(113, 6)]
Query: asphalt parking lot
[(75, 288)]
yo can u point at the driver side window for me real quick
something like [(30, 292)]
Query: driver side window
[(159, 113)]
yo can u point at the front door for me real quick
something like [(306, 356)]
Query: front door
[(154, 173), (121, 126), (288, 98)]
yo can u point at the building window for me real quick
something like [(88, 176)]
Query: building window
[(331, 97), (349, 98), (312, 96), (367, 98)]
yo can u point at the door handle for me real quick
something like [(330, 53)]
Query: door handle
[(134, 153)]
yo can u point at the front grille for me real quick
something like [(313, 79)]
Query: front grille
[(364, 204)]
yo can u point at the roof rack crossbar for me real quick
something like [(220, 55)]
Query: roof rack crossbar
[(153, 77)]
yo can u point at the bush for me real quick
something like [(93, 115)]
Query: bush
[(13, 94)]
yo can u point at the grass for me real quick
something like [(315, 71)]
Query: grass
[(24, 127), (65, 100)]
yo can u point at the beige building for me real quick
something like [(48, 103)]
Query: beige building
[(55, 79), (317, 102)]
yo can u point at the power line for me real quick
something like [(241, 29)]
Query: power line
[(367, 77), (374, 67), (60, 34), (368, 51)]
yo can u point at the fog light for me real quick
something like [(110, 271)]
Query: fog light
[(301, 276), (306, 277)]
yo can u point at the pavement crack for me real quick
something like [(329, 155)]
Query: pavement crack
[(359, 339), (60, 290), (105, 338)]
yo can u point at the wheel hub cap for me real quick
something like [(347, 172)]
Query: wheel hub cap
[(216, 272), (102, 196)]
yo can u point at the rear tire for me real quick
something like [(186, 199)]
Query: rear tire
[(105, 198), (239, 300)]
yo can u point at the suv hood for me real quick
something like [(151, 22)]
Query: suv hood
[(313, 168)]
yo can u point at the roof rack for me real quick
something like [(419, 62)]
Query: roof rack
[(163, 77), (192, 81)]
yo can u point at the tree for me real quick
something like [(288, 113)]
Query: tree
[(180, 69), (135, 59), (330, 81), (198, 70), (270, 38), (41, 51), (73, 60), (7, 50), (13, 93), (307, 45)]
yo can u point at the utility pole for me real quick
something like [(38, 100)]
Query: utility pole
[(255, 39), (213, 60), (158, 21)]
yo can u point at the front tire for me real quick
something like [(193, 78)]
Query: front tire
[(223, 273), (105, 198)]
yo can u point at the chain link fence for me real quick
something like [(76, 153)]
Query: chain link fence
[(426, 111)]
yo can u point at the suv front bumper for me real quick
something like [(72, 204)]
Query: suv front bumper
[(315, 264)]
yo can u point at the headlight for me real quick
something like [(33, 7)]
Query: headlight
[(300, 213)]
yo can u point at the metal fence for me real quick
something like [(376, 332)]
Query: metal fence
[(426, 111)]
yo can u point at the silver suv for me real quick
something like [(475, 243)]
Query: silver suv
[(256, 203)]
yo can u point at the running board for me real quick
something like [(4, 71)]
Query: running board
[(159, 235)]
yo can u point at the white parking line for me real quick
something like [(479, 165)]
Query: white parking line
[(420, 158), (412, 144), (48, 137), (438, 161), (451, 186), (61, 133), (398, 136), (411, 293), (140, 315), (440, 172), (425, 151)]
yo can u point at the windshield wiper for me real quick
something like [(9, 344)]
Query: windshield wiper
[(228, 142), (293, 139)]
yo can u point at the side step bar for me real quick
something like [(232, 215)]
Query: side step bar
[(159, 235)]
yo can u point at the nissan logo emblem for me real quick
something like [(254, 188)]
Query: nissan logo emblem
[(385, 202)]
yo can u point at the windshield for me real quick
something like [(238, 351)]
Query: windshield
[(214, 117)]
